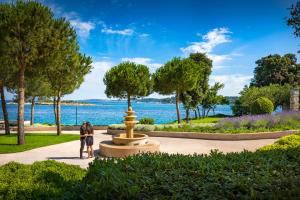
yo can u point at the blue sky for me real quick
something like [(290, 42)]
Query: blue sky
[(234, 34)]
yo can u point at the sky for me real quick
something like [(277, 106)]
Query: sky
[(233, 33)]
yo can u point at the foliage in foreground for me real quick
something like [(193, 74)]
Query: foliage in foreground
[(270, 173), (41, 180), (291, 141)]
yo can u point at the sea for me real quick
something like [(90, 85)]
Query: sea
[(105, 112)]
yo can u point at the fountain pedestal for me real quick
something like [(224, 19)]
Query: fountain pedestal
[(129, 143)]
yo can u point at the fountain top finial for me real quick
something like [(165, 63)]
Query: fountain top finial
[(130, 108)]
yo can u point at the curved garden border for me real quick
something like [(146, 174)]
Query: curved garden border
[(53, 128), (212, 136)]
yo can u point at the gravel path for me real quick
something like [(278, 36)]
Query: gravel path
[(69, 152)]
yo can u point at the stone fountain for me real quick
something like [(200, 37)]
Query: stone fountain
[(129, 143)]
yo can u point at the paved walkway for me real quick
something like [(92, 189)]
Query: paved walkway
[(69, 152)]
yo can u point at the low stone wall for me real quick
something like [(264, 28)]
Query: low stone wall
[(53, 128), (213, 136)]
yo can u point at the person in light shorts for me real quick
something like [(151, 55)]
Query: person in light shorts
[(89, 139)]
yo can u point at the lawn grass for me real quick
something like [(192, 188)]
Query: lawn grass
[(205, 120), (8, 143)]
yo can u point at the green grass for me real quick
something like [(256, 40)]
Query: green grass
[(8, 143), (206, 120)]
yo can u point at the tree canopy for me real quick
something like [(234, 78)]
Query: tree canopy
[(25, 25), (278, 94), (294, 20), (276, 69), (176, 77), (45, 53), (211, 98), (128, 80), (66, 66)]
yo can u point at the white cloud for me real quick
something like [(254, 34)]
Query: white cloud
[(82, 28), (218, 59), (211, 40), (144, 35), (93, 86), (127, 31), (144, 61), (234, 83), (138, 60)]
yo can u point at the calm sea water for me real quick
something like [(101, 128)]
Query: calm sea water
[(105, 112)]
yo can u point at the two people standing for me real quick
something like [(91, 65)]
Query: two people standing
[(86, 137)]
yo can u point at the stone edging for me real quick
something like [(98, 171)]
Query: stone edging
[(53, 128), (213, 136)]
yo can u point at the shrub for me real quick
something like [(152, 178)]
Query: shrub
[(267, 122), (243, 124), (117, 126), (144, 127), (138, 127), (146, 120), (262, 105), (270, 174), (290, 141), (41, 180)]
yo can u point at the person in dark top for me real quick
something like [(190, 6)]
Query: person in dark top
[(90, 139), (83, 135)]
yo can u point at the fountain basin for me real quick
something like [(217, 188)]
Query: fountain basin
[(111, 150), (138, 139)]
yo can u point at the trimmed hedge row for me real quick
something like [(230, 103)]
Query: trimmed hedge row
[(273, 174), (41, 180), (270, 173)]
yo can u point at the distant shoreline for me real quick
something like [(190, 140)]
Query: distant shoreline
[(62, 103)]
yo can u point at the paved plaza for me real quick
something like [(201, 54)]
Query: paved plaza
[(69, 152)]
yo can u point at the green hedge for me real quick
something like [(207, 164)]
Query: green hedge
[(270, 173), (41, 180), (146, 120), (287, 142), (262, 105)]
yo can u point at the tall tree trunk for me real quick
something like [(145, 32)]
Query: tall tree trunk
[(21, 101), (58, 127), (4, 109), (208, 110), (32, 111), (203, 112), (195, 111), (54, 109), (187, 113), (177, 108), (128, 101), (199, 113)]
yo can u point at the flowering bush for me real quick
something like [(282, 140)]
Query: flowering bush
[(284, 120)]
